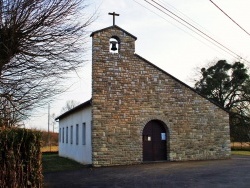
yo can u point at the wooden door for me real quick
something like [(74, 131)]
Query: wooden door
[(154, 142)]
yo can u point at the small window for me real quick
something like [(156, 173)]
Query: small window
[(77, 133), (163, 136), (63, 135), (59, 135), (83, 133), (71, 134), (67, 134)]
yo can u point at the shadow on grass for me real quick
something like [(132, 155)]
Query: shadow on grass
[(51, 162)]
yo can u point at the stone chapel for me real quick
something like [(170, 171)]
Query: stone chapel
[(139, 112)]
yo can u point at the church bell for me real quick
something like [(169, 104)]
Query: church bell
[(113, 47)]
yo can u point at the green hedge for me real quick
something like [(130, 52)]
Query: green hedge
[(20, 158)]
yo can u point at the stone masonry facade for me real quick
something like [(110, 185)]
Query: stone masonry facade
[(128, 91)]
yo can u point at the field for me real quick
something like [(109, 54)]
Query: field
[(49, 142), (240, 146), (49, 149)]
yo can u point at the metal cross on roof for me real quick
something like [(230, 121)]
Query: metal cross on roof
[(114, 14)]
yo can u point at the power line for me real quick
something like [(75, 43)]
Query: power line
[(213, 41), (178, 11), (189, 29), (194, 27), (194, 22), (229, 17), (186, 17), (172, 23)]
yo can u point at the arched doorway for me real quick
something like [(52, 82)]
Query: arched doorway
[(154, 141)]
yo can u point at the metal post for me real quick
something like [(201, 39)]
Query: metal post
[(48, 126)]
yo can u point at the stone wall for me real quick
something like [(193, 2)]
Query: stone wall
[(128, 92)]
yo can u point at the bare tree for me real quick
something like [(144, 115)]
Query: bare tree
[(40, 41), (69, 105)]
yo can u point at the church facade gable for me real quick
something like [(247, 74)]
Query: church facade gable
[(129, 93)]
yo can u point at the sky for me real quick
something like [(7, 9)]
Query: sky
[(162, 40)]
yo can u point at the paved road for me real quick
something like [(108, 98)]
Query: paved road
[(233, 173)]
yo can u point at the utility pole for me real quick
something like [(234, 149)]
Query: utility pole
[(48, 125), (48, 116)]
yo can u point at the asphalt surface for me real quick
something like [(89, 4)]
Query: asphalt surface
[(233, 173)]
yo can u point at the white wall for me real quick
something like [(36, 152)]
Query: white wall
[(79, 152)]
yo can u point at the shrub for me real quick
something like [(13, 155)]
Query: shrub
[(20, 158)]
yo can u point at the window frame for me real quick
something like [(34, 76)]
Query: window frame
[(84, 133), (77, 134), (71, 134), (59, 135), (63, 136), (67, 134)]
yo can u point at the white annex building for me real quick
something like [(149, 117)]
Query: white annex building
[(75, 134), (138, 112)]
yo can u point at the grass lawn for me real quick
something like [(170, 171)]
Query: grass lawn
[(235, 152), (53, 163)]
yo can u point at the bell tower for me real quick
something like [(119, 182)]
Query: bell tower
[(113, 51), (112, 40)]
